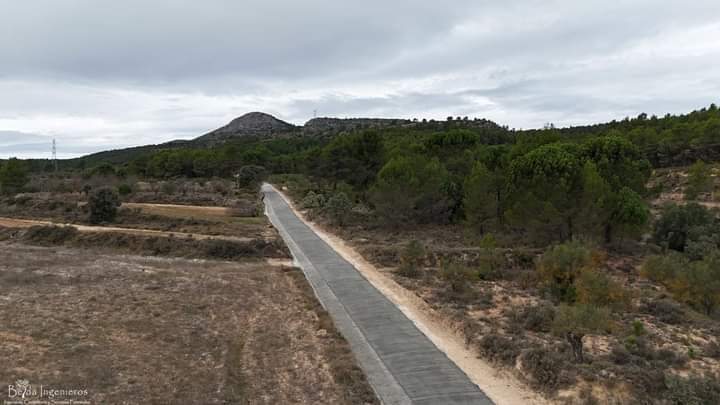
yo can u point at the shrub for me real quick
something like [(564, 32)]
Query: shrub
[(411, 259), (619, 354), (458, 278), (103, 205), (488, 241), (538, 318), (693, 390), (596, 288), (559, 267), (665, 310), (313, 200), (699, 285), (702, 241), (491, 264), (498, 348), (696, 283), (673, 227), (663, 268), (699, 180), (543, 367), (124, 189), (338, 208)]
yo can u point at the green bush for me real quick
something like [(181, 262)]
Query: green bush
[(699, 180), (103, 205), (664, 268), (676, 223), (488, 241), (338, 208), (313, 200), (491, 263), (702, 283), (560, 266), (124, 189), (411, 259), (696, 283), (597, 288)]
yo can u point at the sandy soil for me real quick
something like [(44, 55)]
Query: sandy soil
[(27, 223), (500, 386)]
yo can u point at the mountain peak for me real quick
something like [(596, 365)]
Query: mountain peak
[(251, 124), (257, 121)]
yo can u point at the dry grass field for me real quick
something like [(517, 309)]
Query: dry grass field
[(168, 304), (139, 329)]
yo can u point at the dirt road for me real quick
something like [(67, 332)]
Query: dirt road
[(27, 223)]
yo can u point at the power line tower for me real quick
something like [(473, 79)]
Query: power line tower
[(54, 155)]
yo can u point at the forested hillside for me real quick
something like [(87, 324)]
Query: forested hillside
[(546, 185)]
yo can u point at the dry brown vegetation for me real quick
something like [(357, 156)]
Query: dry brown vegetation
[(198, 319), (136, 329)]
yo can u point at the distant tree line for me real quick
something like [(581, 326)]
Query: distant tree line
[(548, 185)]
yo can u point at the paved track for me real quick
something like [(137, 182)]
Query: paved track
[(401, 363)]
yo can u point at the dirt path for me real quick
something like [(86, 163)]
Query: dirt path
[(180, 210), (27, 223), (501, 387)]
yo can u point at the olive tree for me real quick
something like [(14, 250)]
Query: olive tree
[(574, 322)]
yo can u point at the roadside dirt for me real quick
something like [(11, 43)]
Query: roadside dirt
[(500, 386)]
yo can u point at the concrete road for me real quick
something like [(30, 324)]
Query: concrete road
[(401, 363)]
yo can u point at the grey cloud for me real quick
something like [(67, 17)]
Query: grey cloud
[(173, 40), (97, 74)]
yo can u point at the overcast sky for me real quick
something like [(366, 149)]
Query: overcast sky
[(99, 74)]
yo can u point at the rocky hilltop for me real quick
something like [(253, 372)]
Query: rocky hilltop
[(251, 124), (259, 124)]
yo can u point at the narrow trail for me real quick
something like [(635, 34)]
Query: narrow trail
[(402, 364), (180, 210), (27, 223)]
